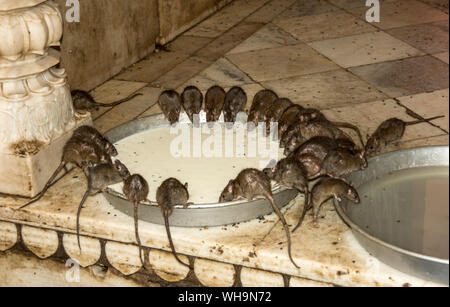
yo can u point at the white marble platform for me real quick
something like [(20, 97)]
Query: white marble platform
[(253, 253)]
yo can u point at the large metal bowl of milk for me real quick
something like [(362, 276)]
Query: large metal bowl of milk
[(403, 215), (152, 148)]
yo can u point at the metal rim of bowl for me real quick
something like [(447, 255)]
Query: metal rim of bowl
[(357, 228)]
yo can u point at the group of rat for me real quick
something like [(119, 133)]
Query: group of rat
[(314, 146)]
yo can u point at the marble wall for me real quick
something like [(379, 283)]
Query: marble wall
[(113, 34)]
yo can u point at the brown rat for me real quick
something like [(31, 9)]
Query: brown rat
[(79, 152), (289, 119), (275, 112), (170, 103), (235, 101), (343, 161), (100, 177), (192, 101), (89, 133), (324, 190), (389, 131), (83, 101), (214, 101), (136, 190), (290, 173), (172, 193), (251, 183), (262, 101)]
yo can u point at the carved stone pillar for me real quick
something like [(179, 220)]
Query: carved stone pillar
[(36, 112)]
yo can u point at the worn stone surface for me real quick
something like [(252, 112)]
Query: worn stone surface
[(257, 278), (362, 49), (325, 90), (403, 13), (407, 76), (318, 27), (8, 236), (43, 243), (306, 7), (429, 105), (444, 56), (283, 62), (431, 37), (167, 267), (90, 249), (268, 37), (214, 274)]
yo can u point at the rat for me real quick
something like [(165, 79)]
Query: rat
[(313, 115), (275, 112), (288, 119), (89, 133), (390, 131), (214, 101), (172, 193), (136, 190), (290, 173), (262, 101), (192, 101), (100, 177), (79, 152), (170, 103), (251, 183), (83, 101), (235, 102), (324, 190), (342, 161)]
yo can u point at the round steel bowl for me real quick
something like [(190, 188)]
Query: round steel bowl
[(198, 215), (371, 223)]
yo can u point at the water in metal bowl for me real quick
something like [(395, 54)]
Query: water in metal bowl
[(403, 216)]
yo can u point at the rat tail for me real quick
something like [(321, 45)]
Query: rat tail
[(353, 127), (47, 186), (306, 207), (285, 226), (169, 236), (78, 217), (136, 230), (423, 120), (116, 103)]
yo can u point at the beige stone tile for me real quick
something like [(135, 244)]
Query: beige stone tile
[(270, 36), (182, 72), (429, 105), (403, 13), (114, 90), (269, 11), (283, 62), (439, 4), (226, 18), (222, 73), (153, 67), (430, 37), (350, 4), (188, 44), (128, 110), (324, 26), (362, 49), (368, 116), (325, 90), (307, 7), (442, 56), (228, 40), (406, 76)]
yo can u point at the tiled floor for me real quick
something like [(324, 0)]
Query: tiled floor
[(318, 53)]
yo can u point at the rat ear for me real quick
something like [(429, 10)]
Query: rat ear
[(230, 186), (186, 185)]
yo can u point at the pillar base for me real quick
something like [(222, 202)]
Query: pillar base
[(26, 172)]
